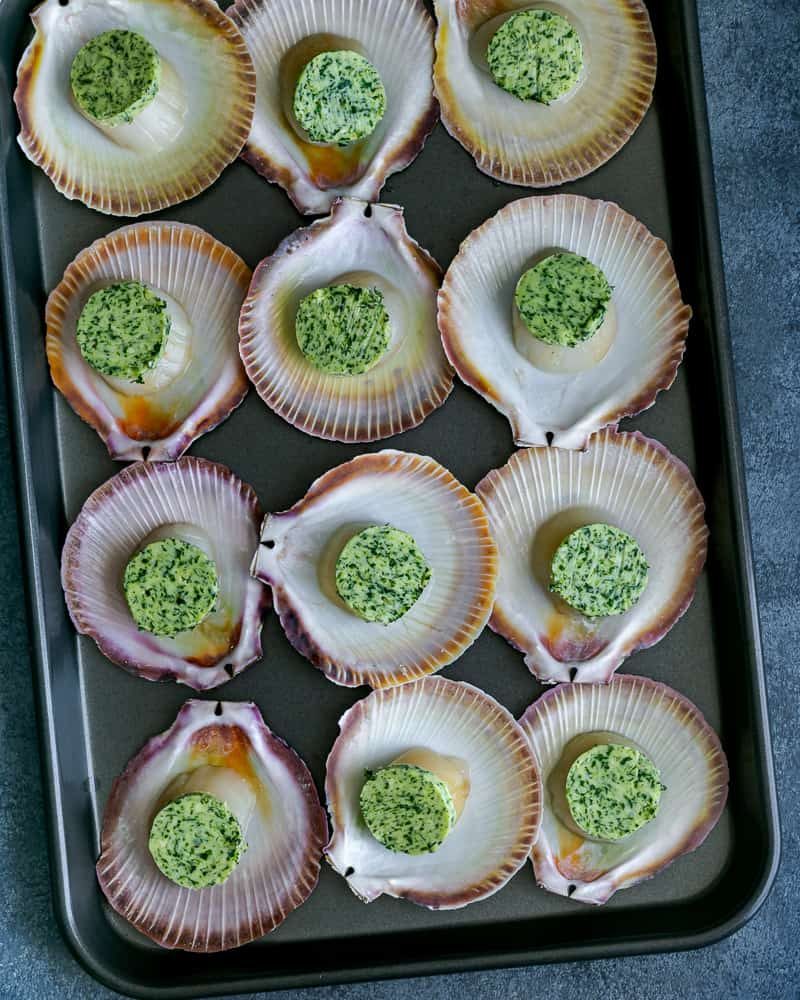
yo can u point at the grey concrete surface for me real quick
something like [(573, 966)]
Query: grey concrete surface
[(750, 54)]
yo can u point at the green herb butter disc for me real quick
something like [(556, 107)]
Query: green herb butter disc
[(407, 808), (339, 98), (563, 299), (114, 76), (122, 330), (599, 570), (196, 841), (343, 329), (381, 573), (170, 586), (536, 55), (612, 791)]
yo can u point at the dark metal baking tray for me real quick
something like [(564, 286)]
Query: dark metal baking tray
[(93, 716)]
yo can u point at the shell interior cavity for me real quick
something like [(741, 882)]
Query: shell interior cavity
[(495, 831), (229, 745), (547, 396), (198, 378), (197, 502), (670, 730), (542, 495), (569, 130), (365, 247), (173, 144), (300, 548), (284, 36)]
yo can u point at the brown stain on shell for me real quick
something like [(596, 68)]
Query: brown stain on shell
[(230, 747)]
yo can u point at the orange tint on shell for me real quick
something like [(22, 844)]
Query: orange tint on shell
[(142, 420), (229, 746)]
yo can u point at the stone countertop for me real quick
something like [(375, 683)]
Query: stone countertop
[(750, 57)]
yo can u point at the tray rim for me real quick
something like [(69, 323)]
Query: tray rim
[(735, 481)]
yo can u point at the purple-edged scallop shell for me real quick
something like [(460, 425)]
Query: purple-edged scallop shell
[(494, 835), (536, 145), (176, 147), (194, 499), (671, 731), (411, 379), (204, 284), (285, 835), (410, 492), (540, 496), (650, 319), (283, 35)]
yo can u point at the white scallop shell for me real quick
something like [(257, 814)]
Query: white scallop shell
[(498, 826), (681, 744), (215, 96), (208, 281), (475, 318), (522, 142), (411, 379), (396, 37), (122, 514), (285, 836), (539, 496), (410, 492)]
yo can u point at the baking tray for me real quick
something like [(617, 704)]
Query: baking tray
[(93, 716)]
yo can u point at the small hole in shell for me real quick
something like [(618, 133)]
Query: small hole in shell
[(571, 889), (349, 872), (368, 211), (218, 708), (229, 669), (63, 3), (573, 673), (269, 543), (549, 437), (145, 448)]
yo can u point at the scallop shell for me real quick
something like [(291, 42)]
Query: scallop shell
[(396, 37), (539, 496), (475, 318), (411, 380), (681, 744), (114, 522), (209, 282), (285, 837), (208, 55), (496, 831), (410, 492), (522, 142)]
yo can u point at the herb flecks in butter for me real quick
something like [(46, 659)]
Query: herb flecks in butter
[(612, 791), (407, 808), (114, 76), (599, 570), (122, 330), (196, 841), (536, 55), (170, 586), (381, 574), (339, 98), (343, 329), (563, 299)]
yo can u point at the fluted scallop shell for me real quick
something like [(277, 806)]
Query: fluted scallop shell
[(494, 834), (206, 52), (415, 494), (522, 142), (113, 524), (411, 379), (681, 744), (209, 282), (475, 318), (285, 836), (539, 496), (396, 37)]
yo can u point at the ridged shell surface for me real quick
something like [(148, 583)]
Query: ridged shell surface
[(477, 299), (208, 281), (497, 828), (671, 731), (410, 492), (540, 496), (285, 836), (113, 524), (412, 378)]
